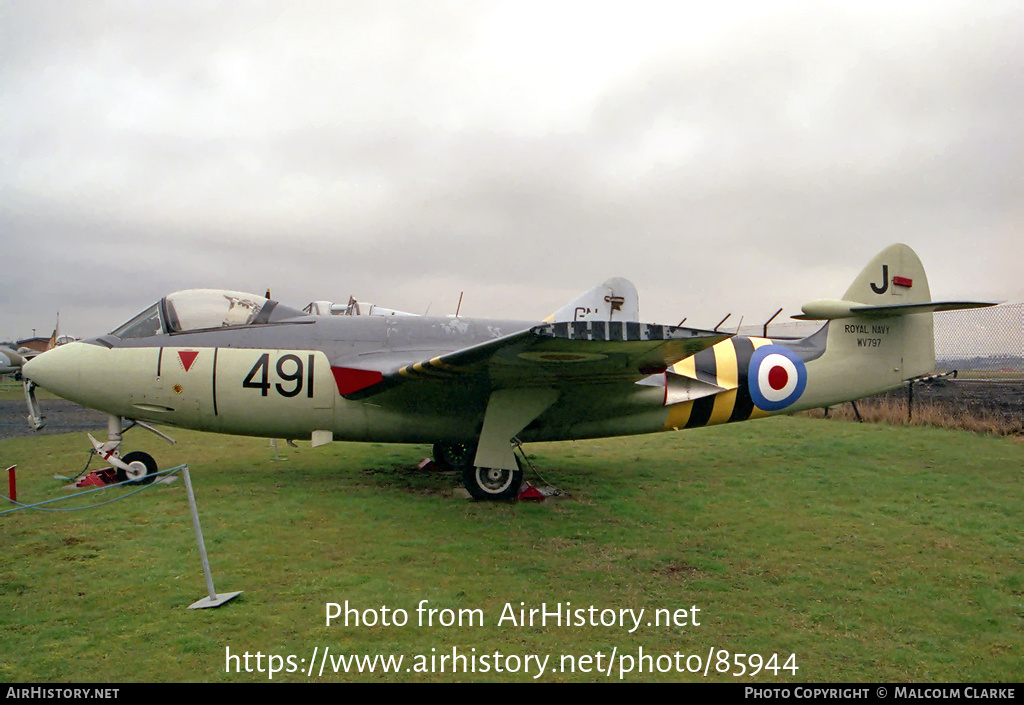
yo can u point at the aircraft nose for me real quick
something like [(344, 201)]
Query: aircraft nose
[(55, 369)]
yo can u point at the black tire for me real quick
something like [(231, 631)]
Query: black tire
[(453, 456), (143, 466), (492, 483)]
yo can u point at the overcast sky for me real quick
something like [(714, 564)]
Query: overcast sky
[(725, 157)]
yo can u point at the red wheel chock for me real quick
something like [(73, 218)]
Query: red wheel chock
[(98, 478), (531, 493)]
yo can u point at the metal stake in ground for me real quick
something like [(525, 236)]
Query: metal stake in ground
[(910, 401), (213, 600)]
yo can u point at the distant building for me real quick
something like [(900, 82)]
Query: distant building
[(38, 344)]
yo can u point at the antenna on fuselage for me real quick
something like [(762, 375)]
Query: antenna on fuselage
[(769, 321), (722, 321), (459, 307)]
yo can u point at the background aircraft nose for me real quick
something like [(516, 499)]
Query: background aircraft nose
[(10, 361)]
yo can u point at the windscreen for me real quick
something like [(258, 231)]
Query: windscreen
[(144, 325)]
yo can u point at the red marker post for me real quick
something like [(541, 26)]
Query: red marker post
[(12, 484)]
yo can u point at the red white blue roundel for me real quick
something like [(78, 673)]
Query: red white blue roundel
[(776, 377)]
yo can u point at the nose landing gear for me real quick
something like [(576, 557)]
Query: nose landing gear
[(137, 466)]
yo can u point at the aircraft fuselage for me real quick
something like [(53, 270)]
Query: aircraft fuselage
[(287, 380)]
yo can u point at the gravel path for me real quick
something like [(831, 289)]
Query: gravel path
[(61, 417)]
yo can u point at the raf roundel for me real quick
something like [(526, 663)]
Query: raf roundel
[(776, 377)]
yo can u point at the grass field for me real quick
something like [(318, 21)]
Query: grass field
[(871, 553)]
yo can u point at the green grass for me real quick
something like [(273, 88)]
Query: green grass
[(872, 553), (11, 389)]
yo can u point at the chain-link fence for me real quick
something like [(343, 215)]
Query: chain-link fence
[(984, 343)]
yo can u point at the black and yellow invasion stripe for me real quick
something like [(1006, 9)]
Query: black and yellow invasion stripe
[(435, 367), (725, 365)]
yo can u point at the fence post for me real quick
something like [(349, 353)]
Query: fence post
[(910, 401)]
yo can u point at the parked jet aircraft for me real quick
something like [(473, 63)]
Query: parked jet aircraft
[(10, 361), (232, 362)]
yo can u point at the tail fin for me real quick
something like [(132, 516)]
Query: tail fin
[(614, 300), (894, 276), (893, 284), (881, 331)]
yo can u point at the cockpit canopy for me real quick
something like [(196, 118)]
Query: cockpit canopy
[(204, 309)]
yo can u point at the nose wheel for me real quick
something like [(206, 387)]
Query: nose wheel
[(140, 468)]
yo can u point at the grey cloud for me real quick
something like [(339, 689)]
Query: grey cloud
[(383, 150)]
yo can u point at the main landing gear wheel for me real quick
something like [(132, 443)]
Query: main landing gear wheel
[(141, 468), (453, 456), (493, 483)]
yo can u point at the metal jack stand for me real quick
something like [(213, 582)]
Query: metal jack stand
[(213, 600), (273, 442)]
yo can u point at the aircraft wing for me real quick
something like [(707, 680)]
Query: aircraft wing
[(549, 355)]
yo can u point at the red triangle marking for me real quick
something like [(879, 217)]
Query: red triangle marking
[(187, 357), (350, 380)]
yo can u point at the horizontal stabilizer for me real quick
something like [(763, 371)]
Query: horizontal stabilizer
[(829, 309)]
